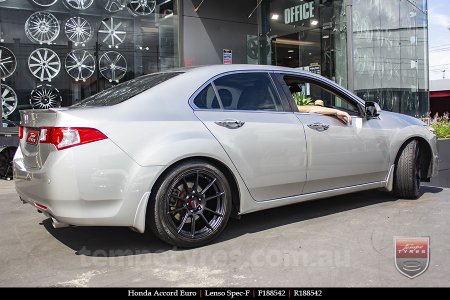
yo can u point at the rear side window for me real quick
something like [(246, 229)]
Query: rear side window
[(247, 91), (207, 99), (126, 90)]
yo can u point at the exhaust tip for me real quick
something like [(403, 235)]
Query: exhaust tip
[(56, 224)]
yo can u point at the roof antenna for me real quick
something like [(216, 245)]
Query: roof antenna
[(251, 14), (196, 9)]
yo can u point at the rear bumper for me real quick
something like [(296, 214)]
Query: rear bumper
[(95, 184)]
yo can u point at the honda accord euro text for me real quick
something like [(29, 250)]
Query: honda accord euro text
[(181, 151)]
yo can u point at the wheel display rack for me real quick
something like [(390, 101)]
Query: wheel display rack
[(113, 66), (112, 32), (44, 64), (9, 100), (45, 96), (42, 27), (141, 7), (8, 62), (114, 5), (78, 4), (80, 65), (78, 30)]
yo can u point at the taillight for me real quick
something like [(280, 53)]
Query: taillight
[(41, 207), (20, 132), (64, 138)]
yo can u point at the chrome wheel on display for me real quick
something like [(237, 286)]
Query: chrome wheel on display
[(141, 7), (45, 96), (8, 62), (113, 66), (44, 64), (42, 27), (112, 32), (114, 5), (78, 4), (80, 65), (45, 3), (9, 100), (78, 30)]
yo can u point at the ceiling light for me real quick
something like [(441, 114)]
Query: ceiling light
[(314, 22), (275, 16), (285, 41), (291, 51), (325, 36)]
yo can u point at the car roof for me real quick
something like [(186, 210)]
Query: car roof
[(236, 67)]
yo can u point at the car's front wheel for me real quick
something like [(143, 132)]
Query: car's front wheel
[(191, 205), (407, 172)]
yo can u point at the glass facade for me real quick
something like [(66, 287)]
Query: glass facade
[(310, 35), (387, 61), (390, 54), (58, 52)]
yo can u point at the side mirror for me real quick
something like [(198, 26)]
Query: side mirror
[(373, 110)]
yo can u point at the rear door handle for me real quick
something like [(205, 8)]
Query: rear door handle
[(231, 124), (319, 126)]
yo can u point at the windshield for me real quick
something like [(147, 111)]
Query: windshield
[(126, 90)]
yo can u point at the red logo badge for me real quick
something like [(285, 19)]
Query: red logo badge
[(33, 137), (412, 255)]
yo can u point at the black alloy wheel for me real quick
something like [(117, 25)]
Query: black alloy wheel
[(192, 205)]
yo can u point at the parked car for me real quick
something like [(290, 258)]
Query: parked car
[(181, 151)]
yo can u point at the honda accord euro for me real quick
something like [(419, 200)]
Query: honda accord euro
[(182, 151)]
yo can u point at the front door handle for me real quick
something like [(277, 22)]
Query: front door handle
[(319, 126), (231, 124)]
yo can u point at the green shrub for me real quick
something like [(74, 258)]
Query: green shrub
[(301, 100), (441, 126)]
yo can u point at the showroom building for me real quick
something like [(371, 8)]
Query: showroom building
[(58, 52)]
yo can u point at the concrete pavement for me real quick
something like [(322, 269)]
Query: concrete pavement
[(343, 241)]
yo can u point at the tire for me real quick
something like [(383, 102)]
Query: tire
[(407, 172), (187, 217), (6, 158)]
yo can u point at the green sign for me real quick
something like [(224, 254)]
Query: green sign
[(298, 13)]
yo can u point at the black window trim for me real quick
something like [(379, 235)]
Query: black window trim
[(284, 102)]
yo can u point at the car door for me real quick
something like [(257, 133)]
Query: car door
[(265, 142), (339, 155)]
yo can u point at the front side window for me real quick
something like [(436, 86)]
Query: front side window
[(305, 92), (247, 91)]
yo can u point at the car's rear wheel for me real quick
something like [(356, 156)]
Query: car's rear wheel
[(407, 172), (191, 205)]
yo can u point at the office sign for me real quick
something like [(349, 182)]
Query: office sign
[(297, 13)]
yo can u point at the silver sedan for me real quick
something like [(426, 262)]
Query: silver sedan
[(179, 152)]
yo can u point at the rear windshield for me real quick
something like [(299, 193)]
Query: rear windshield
[(126, 90)]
